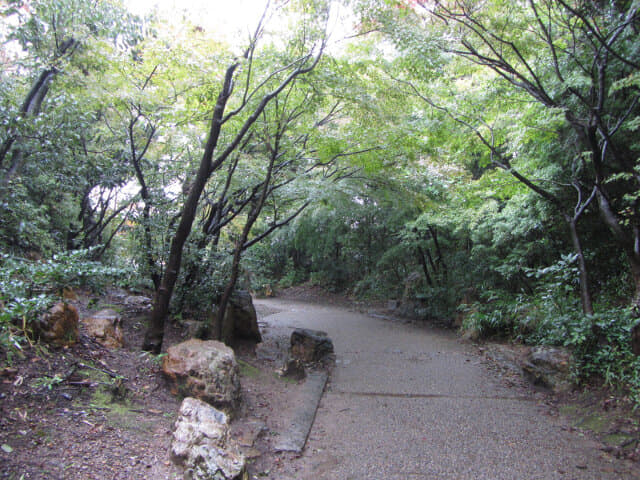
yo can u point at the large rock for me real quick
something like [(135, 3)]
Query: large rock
[(105, 327), (245, 319), (310, 345), (549, 367), (205, 369), (138, 302), (240, 318), (202, 444), (59, 326)]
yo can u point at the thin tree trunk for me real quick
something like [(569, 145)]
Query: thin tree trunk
[(585, 290), (31, 107), (219, 329), (425, 269), (155, 333)]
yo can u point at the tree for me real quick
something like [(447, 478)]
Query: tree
[(215, 155), (59, 50), (580, 58)]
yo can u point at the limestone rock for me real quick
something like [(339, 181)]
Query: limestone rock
[(105, 327), (202, 444), (310, 345), (205, 369), (549, 367), (59, 326)]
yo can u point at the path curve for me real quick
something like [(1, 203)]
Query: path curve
[(408, 402)]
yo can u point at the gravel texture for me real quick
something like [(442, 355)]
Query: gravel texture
[(410, 402)]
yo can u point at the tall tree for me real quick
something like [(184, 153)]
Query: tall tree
[(254, 96), (580, 58)]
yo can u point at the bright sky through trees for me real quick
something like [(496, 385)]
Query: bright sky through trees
[(226, 17), (235, 20)]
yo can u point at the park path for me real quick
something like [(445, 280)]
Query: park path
[(408, 402)]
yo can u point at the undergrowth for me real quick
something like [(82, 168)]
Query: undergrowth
[(28, 288), (553, 316)]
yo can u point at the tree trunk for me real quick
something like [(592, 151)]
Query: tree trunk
[(630, 243), (425, 269), (155, 333), (31, 107), (585, 289)]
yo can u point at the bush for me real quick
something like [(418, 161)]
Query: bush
[(553, 316), (600, 344)]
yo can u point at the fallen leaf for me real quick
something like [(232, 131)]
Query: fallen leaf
[(6, 448)]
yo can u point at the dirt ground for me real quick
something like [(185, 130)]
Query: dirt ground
[(88, 412)]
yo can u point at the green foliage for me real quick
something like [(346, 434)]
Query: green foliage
[(47, 382), (600, 343), (27, 287)]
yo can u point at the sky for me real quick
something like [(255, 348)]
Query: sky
[(228, 17), (232, 19)]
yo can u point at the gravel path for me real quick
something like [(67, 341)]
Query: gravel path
[(407, 402)]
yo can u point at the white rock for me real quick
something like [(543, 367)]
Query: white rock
[(202, 444)]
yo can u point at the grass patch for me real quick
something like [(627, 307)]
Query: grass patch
[(248, 370)]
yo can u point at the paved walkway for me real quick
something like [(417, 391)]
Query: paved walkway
[(406, 402)]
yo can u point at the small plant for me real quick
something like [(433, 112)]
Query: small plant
[(47, 382)]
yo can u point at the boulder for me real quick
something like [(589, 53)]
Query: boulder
[(104, 327), (243, 314), (549, 367), (310, 345), (205, 369), (471, 334), (59, 326), (138, 302), (240, 318), (203, 445)]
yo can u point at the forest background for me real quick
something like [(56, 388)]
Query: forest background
[(477, 161)]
